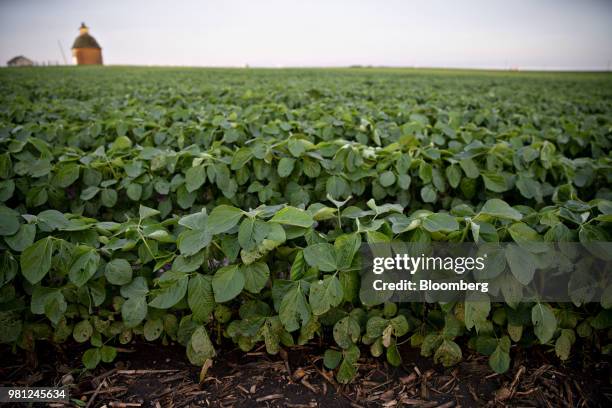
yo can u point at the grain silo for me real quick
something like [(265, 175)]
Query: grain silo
[(86, 50)]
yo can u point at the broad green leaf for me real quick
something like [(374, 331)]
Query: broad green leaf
[(200, 348), (469, 168), (293, 216), (500, 209), (387, 179), (85, 264), (428, 194), (499, 360), (50, 220), (91, 358), (134, 310), (285, 166), (440, 222), (152, 329), (393, 355), (346, 332), (325, 294), (108, 354), (82, 331), (172, 289), (227, 283), (322, 256), (118, 272), (256, 276), (190, 242), (23, 238), (146, 212), (332, 358), (522, 263), (195, 177), (67, 174), (200, 297), (449, 353), (138, 287), (294, 310), (223, 218), (252, 232), (476, 310), (544, 322), (9, 221), (495, 182)]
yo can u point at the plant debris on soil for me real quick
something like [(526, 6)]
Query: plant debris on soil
[(149, 375)]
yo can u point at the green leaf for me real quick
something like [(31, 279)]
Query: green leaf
[(108, 197), (146, 212), (499, 360), (190, 242), (453, 174), (476, 310), (428, 194), (563, 344), (522, 263), (544, 322), (67, 174), (153, 329), (36, 260), (173, 289), (449, 353), (346, 247), (108, 354), (9, 221), (346, 372), (298, 267), (91, 358), (387, 179), (118, 272), (325, 294), (200, 297), (523, 234), (293, 216), (322, 256), (500, 209), (285, 166), (294, 310), (134, 310), (331, 358), (440, 222), (50, 220), (393, 355), (82, 331), (251, 233), (138, 287), (227, 283), (495, 182), (200, 348), (194, 178), (223, 218), (23, 238), (346, 332), (469, 168), (256, 276), (84, 266)]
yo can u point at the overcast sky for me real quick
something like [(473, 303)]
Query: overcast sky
[(537, 34)]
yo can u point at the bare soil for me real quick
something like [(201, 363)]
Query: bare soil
[(152, 375)]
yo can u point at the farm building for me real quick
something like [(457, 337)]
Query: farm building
[(19, 61), (86, 50)]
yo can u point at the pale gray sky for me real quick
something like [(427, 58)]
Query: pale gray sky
[(537, 34)]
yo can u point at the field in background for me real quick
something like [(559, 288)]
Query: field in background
[(222, 209)]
